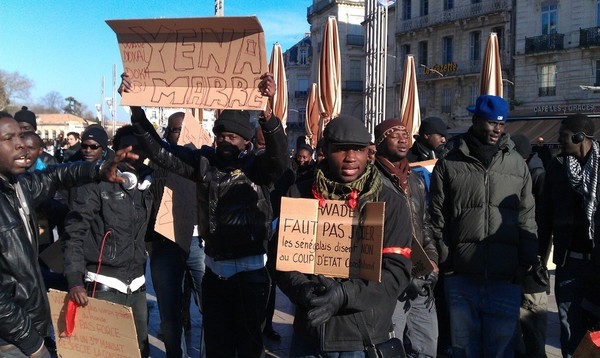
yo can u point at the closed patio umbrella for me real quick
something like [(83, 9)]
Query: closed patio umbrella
[(330, 74), (491, 71), (410, 109), (280, 100)]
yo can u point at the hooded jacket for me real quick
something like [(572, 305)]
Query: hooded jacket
[(486, 216)]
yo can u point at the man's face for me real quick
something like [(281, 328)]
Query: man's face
[(565, 139), (347, 162), (395, 146), (303, 157), (434, 140), (12, 148), (91, 150), (33, 150), (488, 132), (230, 138), (71, 140), (174, 128), (26, 127)]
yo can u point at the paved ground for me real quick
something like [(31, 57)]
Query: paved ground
[(282, 322)]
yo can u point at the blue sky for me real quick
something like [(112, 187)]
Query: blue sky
[(66, 46)]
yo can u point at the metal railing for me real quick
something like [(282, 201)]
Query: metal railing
[(458, 13), (544, 43), (589, 37)]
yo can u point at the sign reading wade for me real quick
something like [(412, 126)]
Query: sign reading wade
[(211, 62)]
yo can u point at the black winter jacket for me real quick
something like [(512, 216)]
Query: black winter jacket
[(24, 309), (97, 209), (375, 301), (234, 209)]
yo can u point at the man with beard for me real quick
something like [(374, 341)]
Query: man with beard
[(344, 316), (569, 218), (234, 218), (24, 304), (416, 311), (483, 209), (431, 138)]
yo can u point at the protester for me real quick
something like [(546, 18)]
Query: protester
[(533, 319), (569, 219), (483, 209), (416, 312), (236, 224), (171, 258), (72, 146), (24, 304), (305, 165), (104, 248), (339, 316), (431, 138), (28, 123)]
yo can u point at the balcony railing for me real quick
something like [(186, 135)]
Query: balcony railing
[(589, 37), (355, 40), (544, 43), (354, 86), (301, 94), (458, 13)]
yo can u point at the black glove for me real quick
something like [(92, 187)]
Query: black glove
[(306, 291), (332, 298), (416, 287), (540, 273), (432, 280)]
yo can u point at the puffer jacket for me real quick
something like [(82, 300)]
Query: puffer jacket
[(24, 309), (486, 216), (96, 210), (234, 209), (375, 301)]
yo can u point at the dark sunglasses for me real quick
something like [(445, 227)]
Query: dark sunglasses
[(90, 146), (174, 129)]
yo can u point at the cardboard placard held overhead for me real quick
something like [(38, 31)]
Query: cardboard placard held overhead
[(210, 62), (330, 240), (174, 219), (102, 329)]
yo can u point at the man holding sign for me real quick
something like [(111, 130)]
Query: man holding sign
[(234, 218), (341, 315)]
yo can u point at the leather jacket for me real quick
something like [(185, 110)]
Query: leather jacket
[(233, 198), (24, 309)]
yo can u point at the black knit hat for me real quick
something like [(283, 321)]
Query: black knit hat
[(347, 131), (433, 125), (522, 145), (27, 116), (97, 134), (234, 121)]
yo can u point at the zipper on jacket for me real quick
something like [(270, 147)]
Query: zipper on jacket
[(486, 183)]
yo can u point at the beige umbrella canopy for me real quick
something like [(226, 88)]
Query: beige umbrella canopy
[(491, 71), (312, 116), (330, 74), (280, 100), (410, 110)]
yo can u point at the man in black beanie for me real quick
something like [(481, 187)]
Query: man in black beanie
[(26, 120), (432, 136), (235, 218)]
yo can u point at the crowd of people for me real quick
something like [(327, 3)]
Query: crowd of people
[(486, 218)]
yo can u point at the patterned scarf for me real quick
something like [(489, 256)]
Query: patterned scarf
[(364, 189), (584, 181)]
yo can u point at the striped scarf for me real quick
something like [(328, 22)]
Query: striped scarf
[(584, 181), (364, 189)]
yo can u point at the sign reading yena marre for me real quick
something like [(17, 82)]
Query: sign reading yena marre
[(211, 62), (331, 240)]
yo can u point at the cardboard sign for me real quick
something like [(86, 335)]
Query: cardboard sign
[(174, 219), (330, 240), (102, 329), (421, 263), (211, 62)]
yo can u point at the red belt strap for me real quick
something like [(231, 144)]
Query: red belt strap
[(404, 251)]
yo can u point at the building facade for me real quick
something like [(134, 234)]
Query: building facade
[(49, 126), (448, 40), (557, 59)]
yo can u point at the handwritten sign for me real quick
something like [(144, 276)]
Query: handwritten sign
[(175, 219), (102, 329), (211, 62), (330, 240)]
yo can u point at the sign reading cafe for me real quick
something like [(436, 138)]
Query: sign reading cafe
[(567, 108)]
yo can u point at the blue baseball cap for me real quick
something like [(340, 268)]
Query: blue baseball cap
[(492, 108)]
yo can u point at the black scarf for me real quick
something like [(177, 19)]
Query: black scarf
[(483, 152)]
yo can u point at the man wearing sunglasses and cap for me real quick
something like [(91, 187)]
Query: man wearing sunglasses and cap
[(482, 208)]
